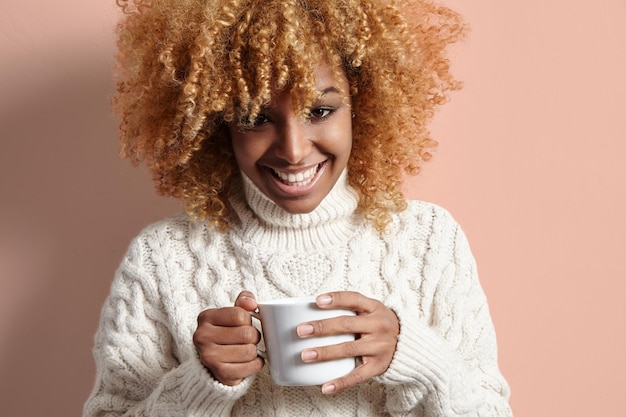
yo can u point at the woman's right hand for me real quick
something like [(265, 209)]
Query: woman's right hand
[(226, 341)]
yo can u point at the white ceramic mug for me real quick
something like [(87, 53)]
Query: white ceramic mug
[(279, 320)]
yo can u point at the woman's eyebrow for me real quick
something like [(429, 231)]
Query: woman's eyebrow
[(331, 89)]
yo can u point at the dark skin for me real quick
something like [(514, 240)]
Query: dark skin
[(226, 341)]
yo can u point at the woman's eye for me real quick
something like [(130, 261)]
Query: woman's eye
[(320, 113), (261, 119)]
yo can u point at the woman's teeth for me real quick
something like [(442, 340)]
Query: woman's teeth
[(300, 179)]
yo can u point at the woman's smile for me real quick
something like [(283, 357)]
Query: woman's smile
[(298, 179), (297, 183)]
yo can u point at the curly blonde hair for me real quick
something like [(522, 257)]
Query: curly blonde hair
[(189, 67)]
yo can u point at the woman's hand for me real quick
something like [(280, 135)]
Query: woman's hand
[(226, 341), (377, 326)]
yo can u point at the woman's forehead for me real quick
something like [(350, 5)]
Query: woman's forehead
[(328, 81)]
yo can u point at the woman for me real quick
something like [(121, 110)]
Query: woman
[(285, 128)]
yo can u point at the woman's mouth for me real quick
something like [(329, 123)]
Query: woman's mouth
[(299, 179)]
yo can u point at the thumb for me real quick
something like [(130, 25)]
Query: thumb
[(246, 300)]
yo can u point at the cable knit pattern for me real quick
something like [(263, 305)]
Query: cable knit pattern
[(445, 363)]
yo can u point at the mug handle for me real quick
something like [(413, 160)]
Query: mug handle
[(259, 352)]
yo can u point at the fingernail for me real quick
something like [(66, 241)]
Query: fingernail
[(327, 389), (308, 355), (305, 330), (323, 300)]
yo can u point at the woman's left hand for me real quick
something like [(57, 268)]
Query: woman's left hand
[(377, 326)]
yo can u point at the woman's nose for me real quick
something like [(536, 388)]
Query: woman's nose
[(293, 143)]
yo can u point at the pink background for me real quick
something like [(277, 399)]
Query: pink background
[(531, 163)]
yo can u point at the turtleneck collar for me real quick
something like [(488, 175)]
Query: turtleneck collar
[(265, 223)]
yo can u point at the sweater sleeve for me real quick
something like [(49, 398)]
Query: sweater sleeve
[(140, 372), (446, 358)]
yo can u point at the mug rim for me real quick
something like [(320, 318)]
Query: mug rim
[(289, 301)]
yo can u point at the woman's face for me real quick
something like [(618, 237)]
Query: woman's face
[(296, 161)]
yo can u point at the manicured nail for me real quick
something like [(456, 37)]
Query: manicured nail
[(305, 330), (308, 355), (328, 389), (323, 300)]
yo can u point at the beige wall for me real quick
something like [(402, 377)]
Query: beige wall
[(531, 163)]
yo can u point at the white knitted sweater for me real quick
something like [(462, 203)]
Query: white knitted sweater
[(422, 268)]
